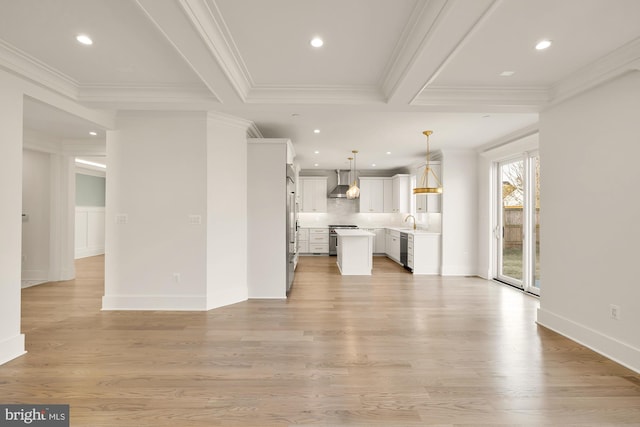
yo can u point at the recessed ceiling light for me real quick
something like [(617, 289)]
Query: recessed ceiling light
[(507, 73), (316, 42), (486, 116), (316, 152), (316, 131), (543, 44), (388, 152), (373, 165), (316, 164), (92, 133), (84, 39)]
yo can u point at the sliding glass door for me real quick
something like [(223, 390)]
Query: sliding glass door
[(517, 228)]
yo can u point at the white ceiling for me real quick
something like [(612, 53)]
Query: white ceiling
[(388, 70)]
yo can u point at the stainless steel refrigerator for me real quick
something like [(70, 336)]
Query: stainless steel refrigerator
[(292, 226)]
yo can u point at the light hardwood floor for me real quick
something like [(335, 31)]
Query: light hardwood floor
[(385, 350)]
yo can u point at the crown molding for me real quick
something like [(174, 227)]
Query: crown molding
[(341, 95), (610, 66), (207, 20), (229, 120), (24, 65), (498, 145), (528, 99), (254, 132), (152, 96)]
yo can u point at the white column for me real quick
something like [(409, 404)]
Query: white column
[(11, 105), (226, 210), (155, 233)]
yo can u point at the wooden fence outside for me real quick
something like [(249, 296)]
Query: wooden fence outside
[(513, 218)]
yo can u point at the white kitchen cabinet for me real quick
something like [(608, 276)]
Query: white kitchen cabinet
[(319, 240), (423, 253), (370, 230), (392, 246), (314, 194), (303, 240), (428, 203), (388, 195), (355, 252), (371, 195), (400, 193)]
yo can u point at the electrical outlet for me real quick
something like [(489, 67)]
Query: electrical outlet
[(176, 278), (614, 311)]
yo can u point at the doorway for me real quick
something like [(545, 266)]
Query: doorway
[(517, 229)]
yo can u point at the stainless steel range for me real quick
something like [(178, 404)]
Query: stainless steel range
[(333, 237)]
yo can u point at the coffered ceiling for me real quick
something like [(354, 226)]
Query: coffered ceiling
[(388, 69)]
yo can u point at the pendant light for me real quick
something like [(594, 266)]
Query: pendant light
[(354, 192), (423, 186)]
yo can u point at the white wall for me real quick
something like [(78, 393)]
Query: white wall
[(36, 231), (459, 213), (89, 231), (226, 215), (589, 149), (11, 340), (267, 218), (157, 182)]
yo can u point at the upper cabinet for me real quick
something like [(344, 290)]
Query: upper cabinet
[(372, 195), (314, 193), (429, 203), (388, 195), (384, 195), (400, 193)]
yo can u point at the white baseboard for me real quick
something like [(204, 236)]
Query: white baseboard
[(12, 348), (35, 275), (154, 302), (618, 351), (32, 282)]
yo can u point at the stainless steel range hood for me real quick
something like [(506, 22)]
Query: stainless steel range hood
[(340, 191)]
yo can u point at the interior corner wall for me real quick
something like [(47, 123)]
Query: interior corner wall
[(267, 218), (155, 235), (485, 218), (589, 150), (226, 211), (459, 213), (11, 106)]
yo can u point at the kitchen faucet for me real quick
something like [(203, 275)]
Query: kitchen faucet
[(414, 220)]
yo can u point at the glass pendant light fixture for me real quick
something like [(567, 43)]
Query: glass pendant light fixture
[(423, 186), (354, 192)]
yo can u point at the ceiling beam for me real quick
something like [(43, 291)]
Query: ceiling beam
[(438, 34), (189, 26)]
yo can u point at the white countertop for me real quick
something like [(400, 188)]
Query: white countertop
[(414, 232), (349, 232)]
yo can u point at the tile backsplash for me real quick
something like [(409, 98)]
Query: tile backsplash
[(344, 211)]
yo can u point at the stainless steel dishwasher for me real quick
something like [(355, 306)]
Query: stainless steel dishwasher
[(404, 244)]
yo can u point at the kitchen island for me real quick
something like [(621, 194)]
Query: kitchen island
[(355, 252)]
